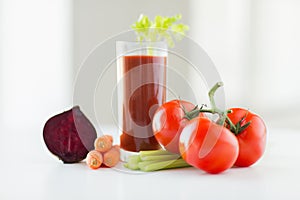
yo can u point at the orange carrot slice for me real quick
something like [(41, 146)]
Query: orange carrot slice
[(94, 159), (112, 157), (103, 143)]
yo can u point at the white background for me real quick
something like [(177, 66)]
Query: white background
[(255, 45)]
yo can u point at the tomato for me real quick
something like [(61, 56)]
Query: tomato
[(168, 122), (208, 146), (252, 140)]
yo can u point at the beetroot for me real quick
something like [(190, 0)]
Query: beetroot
[(69, 135)]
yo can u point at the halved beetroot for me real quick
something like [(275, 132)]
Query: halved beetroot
[(69, 135)]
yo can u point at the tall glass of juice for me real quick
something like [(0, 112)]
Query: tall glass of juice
[(141, 90)]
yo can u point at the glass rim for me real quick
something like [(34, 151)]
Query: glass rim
[(159, 48)]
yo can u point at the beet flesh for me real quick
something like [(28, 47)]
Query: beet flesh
[(69, 135)]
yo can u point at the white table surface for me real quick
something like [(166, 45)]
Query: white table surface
[(29, 171)]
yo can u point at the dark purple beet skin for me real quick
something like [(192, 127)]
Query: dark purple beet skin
[(69, 135)]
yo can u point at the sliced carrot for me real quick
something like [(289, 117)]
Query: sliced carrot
[(103, 143), (112, 157), (94, 159)]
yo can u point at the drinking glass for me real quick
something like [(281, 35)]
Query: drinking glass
[(141, 90)]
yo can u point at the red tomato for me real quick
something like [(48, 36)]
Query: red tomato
[(208, 146), (252, 140), (168, 122)]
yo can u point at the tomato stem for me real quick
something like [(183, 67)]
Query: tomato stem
[(240, 126), (214, 110), (233, 128), (211, 95), (195, 112)]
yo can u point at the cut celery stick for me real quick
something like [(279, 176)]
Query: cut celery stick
[(143, 164), (133, 162), (155, 153), (160, 157), (134, 159), (155, 160), (132, 166), (164, 165)]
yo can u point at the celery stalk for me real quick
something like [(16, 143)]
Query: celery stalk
[(155, 160), (133, 166), (161, 28), (126, 165), (169, 164), (160, 157), (133, 162), (155, 153), (134, 159), (143, 164)]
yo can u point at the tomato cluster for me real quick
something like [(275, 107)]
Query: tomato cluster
[(210, 146)]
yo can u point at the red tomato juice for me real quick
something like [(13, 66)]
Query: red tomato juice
[(144, 80)]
